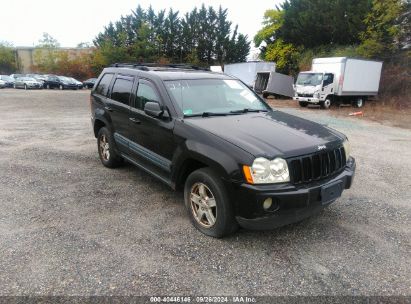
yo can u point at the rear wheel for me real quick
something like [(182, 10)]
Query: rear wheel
[(208, 205), (358, 103), (106, 149), (303, 104)]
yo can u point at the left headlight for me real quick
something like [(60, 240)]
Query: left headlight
[(264, 171), (347, 148)]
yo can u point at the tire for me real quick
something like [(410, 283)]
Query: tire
[(303, 104), (61, 87), (326, 104), (207, 187), (358, 103), (265, 95), (107, 152), (25, 86), (48, 87)]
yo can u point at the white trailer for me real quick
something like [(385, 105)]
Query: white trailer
[(247, 71), (338, 80), (274, 83)]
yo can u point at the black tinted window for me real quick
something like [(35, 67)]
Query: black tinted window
[(145, 93), (328, 79), (103, 85), (122, 90)]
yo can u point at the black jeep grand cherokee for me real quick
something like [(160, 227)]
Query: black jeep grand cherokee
[(239, 162)]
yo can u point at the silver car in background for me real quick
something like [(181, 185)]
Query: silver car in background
[(27, 83)]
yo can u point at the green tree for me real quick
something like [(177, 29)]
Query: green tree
[(285, 55), (46, 54), (382, 34), (314, 23), (203, 35), (8, 62), (272, 23)]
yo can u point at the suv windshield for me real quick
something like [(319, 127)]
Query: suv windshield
[(309, 79), (214, 96)]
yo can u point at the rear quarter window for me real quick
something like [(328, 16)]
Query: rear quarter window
[(103, 85)]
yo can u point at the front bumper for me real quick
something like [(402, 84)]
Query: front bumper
[(34, 86), (307, 99), (290, 203)]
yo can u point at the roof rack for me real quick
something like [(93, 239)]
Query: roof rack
[(154, 66)]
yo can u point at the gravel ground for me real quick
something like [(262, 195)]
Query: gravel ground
[(69, 226)]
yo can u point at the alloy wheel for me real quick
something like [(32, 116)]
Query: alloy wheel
[(203, 205), (104, 148)]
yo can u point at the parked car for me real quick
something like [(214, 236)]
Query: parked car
[(238, 161), (27, 83), (15, 76), (59, 82), (89, 83), (2, 84), (9, 81), (38, 77), (78, 83)]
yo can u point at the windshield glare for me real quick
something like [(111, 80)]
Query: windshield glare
[(213, 96), (309, 79)]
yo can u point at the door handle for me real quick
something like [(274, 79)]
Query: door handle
[(135, 120), (108, 109)]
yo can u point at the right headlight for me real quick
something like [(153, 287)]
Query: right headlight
[(347, 148), (264, 171)]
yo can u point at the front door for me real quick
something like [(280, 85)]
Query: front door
[(152, 140)]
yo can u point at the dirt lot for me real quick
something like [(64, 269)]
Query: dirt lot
[(69, 226), (374, 110)]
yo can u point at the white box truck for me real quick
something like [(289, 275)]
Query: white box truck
[(338, 80), (247, 71)]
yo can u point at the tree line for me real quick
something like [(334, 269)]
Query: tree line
[(202, 36), (297, 30)]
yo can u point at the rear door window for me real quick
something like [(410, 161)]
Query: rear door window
[(122, 89), (104, 84)]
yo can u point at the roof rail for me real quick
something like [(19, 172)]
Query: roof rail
[(153, 66)]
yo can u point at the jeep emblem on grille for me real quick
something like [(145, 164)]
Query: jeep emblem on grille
[(323, 147)]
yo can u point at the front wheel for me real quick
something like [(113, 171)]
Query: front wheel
[(303, 104), (208, 205), (106, 149), (326, 104)]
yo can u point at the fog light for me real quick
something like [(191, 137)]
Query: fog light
[(267, 203)]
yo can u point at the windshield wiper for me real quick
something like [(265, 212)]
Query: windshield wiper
[(205, 114), (246, 110)]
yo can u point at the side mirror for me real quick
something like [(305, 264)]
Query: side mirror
[(153, 109)]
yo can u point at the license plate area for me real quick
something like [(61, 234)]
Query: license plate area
[(331, 192)]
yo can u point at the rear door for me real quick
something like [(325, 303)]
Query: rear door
[(118, 107)]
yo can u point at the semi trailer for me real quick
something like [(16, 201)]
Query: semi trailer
[(338, 80)]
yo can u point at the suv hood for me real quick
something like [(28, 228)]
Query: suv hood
[(270, 134)]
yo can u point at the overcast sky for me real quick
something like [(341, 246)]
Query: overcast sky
[(71, 22)]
